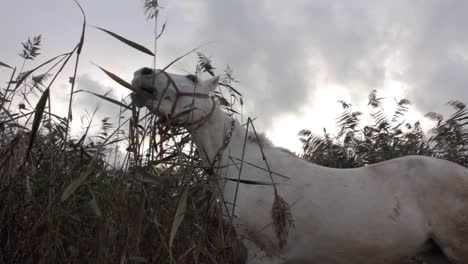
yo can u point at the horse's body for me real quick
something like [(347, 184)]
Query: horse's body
[(382, 213)]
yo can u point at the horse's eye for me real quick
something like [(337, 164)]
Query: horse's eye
[(192, 77)]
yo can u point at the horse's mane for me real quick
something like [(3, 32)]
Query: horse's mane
[(262, 140)]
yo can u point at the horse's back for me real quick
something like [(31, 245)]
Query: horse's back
[(381, 213), (434, 194), (420, 198)]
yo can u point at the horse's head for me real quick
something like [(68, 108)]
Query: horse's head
[(184, 99)]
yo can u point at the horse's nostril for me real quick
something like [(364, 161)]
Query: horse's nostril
[(146, 71)]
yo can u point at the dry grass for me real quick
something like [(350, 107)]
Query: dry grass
[(64, 200), (282, 219)]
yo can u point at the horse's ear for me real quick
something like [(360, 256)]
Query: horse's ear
[(212, 83)]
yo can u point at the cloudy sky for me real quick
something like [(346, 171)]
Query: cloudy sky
[(293, 59)]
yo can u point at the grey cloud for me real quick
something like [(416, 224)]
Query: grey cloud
[(437, 54), (270, 44), (278, 50), (268, 61), (270, 48)]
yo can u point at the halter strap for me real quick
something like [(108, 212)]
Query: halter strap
[(180, 94), (200, 121)]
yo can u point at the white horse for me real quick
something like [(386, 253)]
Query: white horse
[(382, 213)]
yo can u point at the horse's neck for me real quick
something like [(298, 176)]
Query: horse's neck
[(218, 135)]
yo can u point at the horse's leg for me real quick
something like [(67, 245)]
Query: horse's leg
[(452, 237), (432, 254), (260, 258), (445, 202), (255, 255), (455, 250), (434, 258)]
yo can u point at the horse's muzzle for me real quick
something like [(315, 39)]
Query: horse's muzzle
[(138, 100)]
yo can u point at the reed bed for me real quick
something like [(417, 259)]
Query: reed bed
[(69, 199)]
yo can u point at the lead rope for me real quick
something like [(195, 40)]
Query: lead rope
[(227, 140)]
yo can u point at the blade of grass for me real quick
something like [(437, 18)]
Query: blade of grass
[(148, 177), (154, 179), (104, 97), (124, 83), (26, 74), (14, 116), (162, 30), (83, 30), (179, 216), (176, 60), (79, 181), (250, 182), (40, 106), (5, 65), (79, 47), (231, 88), (93, 204), (128, 42), (73, 79)]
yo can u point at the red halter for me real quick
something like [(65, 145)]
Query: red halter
[(179, 94)]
